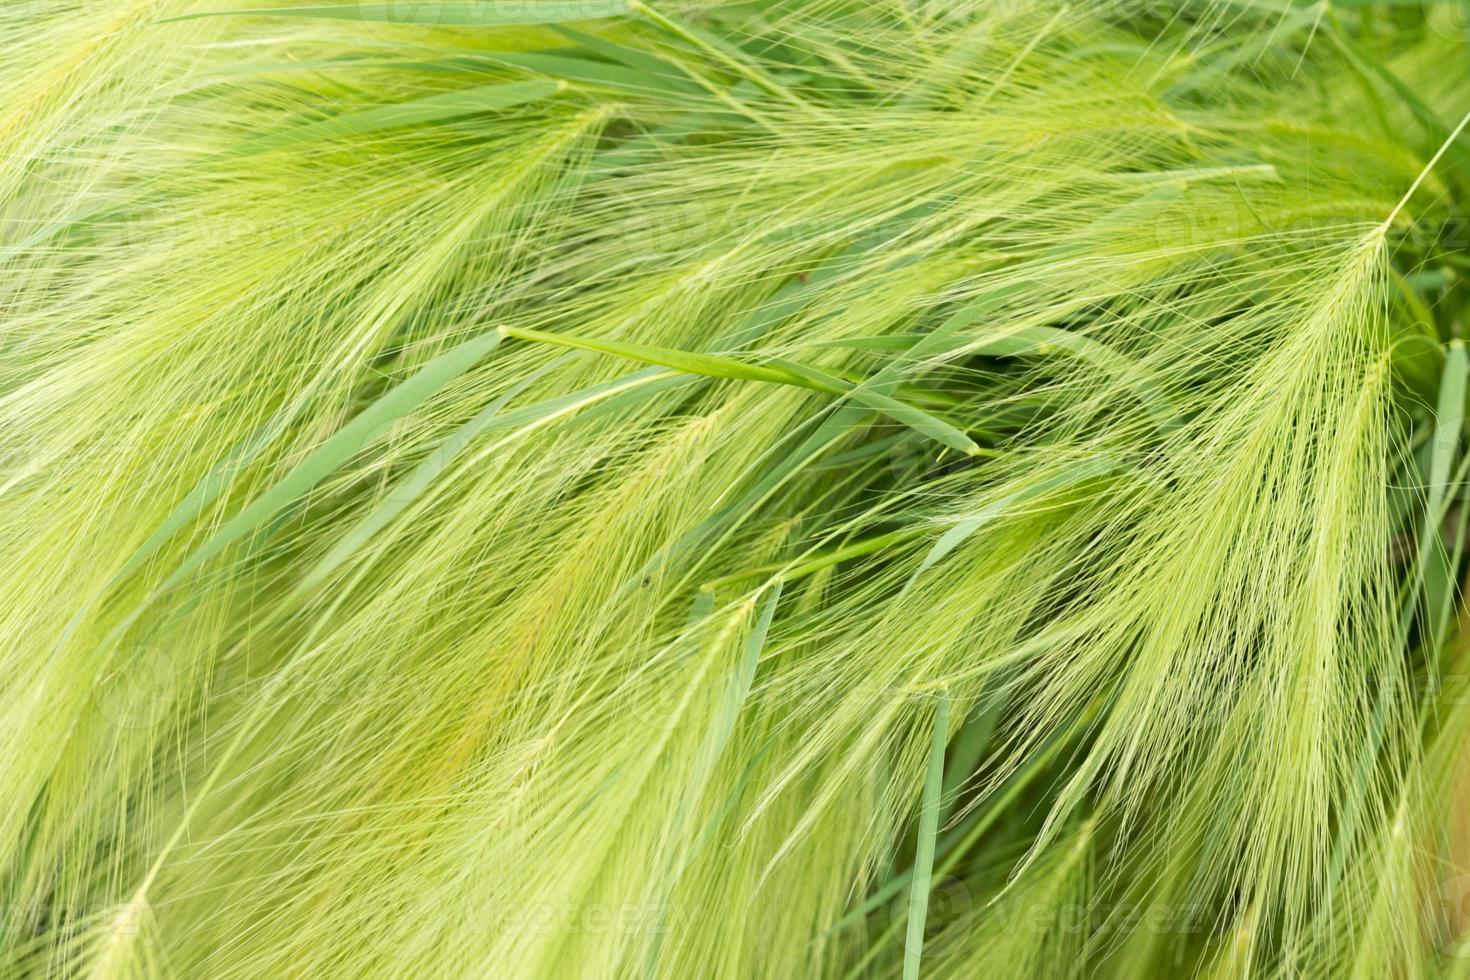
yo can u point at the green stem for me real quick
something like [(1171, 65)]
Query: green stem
[(924, 851)]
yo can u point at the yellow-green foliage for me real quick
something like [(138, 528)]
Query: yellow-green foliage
[(787, 488)]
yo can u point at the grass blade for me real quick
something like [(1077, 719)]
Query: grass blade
[(778, 372), (204, 493), (340, 447), (924, 856), (636, 81), (639, 60), (430, 109), (410, 487), (1433, 572)]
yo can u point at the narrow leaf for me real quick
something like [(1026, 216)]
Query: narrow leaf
[(924, 856), (1433, 572), (778, 372), (430, 109), (340, 447), (588, 71), (917, 419), (642, 61), (409, 488)]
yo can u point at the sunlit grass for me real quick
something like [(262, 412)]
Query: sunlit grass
[(801, 488)]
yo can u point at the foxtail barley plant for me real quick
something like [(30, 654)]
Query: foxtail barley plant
[(734, 489)]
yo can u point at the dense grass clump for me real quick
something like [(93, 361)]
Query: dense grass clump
[(765, 489)]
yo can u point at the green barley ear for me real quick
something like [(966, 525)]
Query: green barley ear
[(790, 488)]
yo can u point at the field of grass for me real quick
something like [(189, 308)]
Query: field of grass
[(734, 489)]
